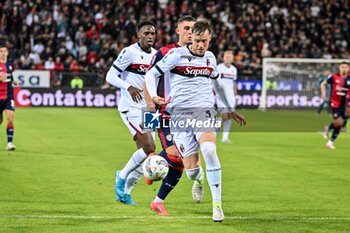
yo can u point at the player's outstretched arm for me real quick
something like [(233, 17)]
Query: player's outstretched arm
[(227, 98), (222, 92), (167, 63), (3, 77), (323, 90), (112, 77), (149, 102), (150, 81), (239, 118)]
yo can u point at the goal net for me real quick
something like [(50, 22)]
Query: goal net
[(289, 83)]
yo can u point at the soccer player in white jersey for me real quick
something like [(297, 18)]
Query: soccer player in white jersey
[(127, 73), (184, 31), (191, 96), (228, 73)]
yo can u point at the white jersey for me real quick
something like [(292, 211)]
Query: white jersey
[(228, 74), (189, 77), (132, 63)]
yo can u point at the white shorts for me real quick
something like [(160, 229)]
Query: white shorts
[(134, 122), (186, 139)]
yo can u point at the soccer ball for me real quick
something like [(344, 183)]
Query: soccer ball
[(155, 168)]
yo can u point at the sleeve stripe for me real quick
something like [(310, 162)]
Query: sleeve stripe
[(159, 70), (117, 68)]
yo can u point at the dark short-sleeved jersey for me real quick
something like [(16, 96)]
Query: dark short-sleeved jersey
[(339, 89), (6, 89), (163, 90), (347, 83), (163, 87)]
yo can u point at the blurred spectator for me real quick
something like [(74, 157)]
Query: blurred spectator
[(58, 68), (92, 34), (74, 66), (49, 64), (265, 52), (58, 64), (76, 83)]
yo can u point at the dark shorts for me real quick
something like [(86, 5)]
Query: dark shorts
[(165, 137), (7, 104), (338, 112)]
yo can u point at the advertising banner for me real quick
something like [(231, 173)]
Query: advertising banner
[(32, 79), (66, 97)]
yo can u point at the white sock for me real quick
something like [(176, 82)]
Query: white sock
[(195, 174), (226, 130), (200, 176), (132, 179), (213, 169), (136, 160), (157, 199)]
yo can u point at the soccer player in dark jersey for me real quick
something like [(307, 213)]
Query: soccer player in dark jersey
[(347, 102), (184, 27), (7, 102), (340, 83)]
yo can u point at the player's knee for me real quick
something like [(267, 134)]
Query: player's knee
[(171, 150), (338, 123), (149, 147), (178, 165), (193, 173)]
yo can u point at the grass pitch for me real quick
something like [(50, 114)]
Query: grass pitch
[(61, 177)]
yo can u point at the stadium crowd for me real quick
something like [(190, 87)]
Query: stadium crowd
[(79, 36)]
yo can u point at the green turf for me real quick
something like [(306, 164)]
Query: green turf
[(61, 178)]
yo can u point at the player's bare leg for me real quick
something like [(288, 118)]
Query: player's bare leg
[(198, 185), (146, 146), (213, 171), (207, 143), (337, 125), (170, 181), (10, 115)]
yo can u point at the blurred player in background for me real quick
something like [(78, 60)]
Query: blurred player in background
[(228, 73), (325, 103), (7, 102), (347, 108), (184, 27), (131, 65), (191, 68), (339, 86)]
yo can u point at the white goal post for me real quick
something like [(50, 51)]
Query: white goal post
[(293, 82)]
